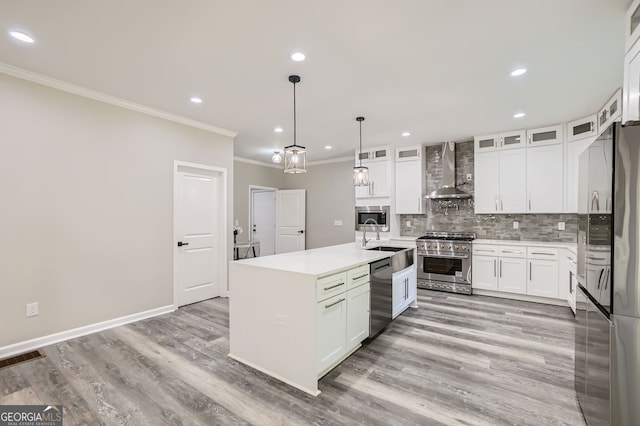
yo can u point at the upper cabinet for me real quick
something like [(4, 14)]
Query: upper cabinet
[(500, 181), (410, 176), (506, 140), (544, 136), (611, 111), (379, 162), (631, 87), (632, 21), (544, 178), (582, 128)]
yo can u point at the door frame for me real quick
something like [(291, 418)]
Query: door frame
[(253, 188), (223, 243)]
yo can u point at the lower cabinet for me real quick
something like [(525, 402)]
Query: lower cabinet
[(357, 315), (485, 272), (404, 290), (332, 331), (543, 278), (512, 275)]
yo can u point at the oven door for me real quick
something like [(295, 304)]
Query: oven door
[(447, 268)]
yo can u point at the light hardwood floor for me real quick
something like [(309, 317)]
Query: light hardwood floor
[(454, 360)]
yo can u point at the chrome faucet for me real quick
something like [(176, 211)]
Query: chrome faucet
[(364, 231)]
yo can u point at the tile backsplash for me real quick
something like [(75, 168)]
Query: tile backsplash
[(458, 215)]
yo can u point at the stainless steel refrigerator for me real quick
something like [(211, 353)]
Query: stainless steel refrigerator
[(607, 343)]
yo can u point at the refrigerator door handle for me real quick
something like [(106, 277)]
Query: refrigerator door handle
[(600, 279)]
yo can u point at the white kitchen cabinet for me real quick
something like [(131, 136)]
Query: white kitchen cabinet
[(357, 315), (611, 111), (500, 181), (514, 139), (331, 331), (631, 85), (567, 288), (486, 143), (582, 128), (485, 272), (543, 278), (512, 270), (574, 150), (409, 181), (379, 180), (544, 136), (374, 154), (632, 24), (544, 178), (513, 181), (404, 290)]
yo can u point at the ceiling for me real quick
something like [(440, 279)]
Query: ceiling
[(438, 69)]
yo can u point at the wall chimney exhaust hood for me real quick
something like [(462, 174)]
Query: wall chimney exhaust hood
[(448, 188)]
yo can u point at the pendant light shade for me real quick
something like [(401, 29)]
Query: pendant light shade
[(295, 156), (276, 158), (360, 173)]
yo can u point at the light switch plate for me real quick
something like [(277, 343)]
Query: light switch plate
[(32, 309), (337, 222), (560, 226), (516, 224), (408, 223)]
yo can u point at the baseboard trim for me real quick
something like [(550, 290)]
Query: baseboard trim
[(39, 342)]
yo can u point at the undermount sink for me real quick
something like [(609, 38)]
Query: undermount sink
[(387, 248)]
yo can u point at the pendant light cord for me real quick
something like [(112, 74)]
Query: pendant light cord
[(360, 153), (294, 114)]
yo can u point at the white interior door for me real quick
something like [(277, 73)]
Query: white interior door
[(290, 220), (263, 220), (199, 257)]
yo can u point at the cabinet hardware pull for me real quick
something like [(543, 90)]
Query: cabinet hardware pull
[(361, 276), (592, 124), (530, 275), (334, 303), (570, 282), (496, 202), (500, 268), (511, 251), (333, 286), (595, 258), (501, 204), (487, 250), (180, 244), (529, 196), (542, 253), (494, 267), (373, 187)]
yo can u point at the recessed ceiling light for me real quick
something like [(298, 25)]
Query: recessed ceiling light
[(19, 35), (328, 147), (278, 130), (518, 71), (195, 100), (298, 56), (406, 134), (518, 115)]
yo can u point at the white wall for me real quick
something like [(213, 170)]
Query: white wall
[(330, 197), (87, 207)]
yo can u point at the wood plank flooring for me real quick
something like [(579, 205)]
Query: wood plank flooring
[(454, 360)]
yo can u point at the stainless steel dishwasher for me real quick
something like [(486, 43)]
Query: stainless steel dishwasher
[(381, 279)]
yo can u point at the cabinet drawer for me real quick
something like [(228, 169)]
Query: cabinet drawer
[(331, 286), (485, 249), (357, 276), (512, 251), (542, 253)]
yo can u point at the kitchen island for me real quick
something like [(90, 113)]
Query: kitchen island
[(295, 316)]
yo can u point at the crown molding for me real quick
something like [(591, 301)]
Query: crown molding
[(258, 163), (108, 99)]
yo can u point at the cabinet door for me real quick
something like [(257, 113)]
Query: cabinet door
[(513, 181), (631, 85), (515, 139), (399, 295), (543, 278), (574, 149), (409, 187), (600, 175), (357, 315), (409, 153), (632, 24), (512, 275), (544, 179), (332, 331), (544, 136), (611, 111), (412, 286), (379, 178), (486, 143), (487, 182), (484, 272), (582, 128), (364, 191)]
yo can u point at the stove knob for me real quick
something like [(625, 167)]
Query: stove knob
[(456, 247)]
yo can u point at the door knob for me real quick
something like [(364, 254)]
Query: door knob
[(301, 232), (180, 244)]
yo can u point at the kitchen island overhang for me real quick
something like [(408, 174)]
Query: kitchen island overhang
[(287, 310)]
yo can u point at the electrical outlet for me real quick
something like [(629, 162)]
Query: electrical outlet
[(560, 226), (337, 222), (516, 224), (408, 223), (469, 177), (32, 309)]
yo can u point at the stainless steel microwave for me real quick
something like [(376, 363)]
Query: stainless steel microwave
[(379, 214)]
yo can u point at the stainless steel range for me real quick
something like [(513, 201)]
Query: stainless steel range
[(444, 261)]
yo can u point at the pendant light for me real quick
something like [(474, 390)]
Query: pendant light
[(276, 158), (295, 156), (360, 174)]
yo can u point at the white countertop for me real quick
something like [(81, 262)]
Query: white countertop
[(320, 261)]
